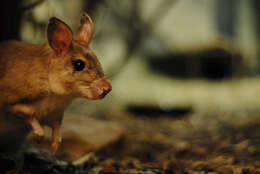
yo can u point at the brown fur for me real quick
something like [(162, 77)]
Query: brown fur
[(37, 82)]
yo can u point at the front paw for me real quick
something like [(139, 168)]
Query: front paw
[(55, 146), (38, 134)]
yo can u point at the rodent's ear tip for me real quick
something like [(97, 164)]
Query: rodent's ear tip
[(85, 17), (54, 20)]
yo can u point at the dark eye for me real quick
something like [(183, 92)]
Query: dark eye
[(78, 65)]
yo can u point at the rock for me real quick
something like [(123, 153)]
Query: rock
[(108, 168), (6, 164), (41, 161), (223, 160), (242, 146), (81, 135), (225, 169)]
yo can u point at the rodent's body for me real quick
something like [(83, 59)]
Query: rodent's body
[(37, 82), (31, 61), (31, 84)]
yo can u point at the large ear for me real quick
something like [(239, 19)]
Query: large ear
[(86, 30), (59, 36)]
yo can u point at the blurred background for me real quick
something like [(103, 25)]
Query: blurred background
[(166, 53), (183, 72)]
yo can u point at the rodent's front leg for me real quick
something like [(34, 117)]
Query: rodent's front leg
[(56, 138), (36, 128), (26, 112)]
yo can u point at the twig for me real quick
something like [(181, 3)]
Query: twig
[(32, 5), (83, 159)]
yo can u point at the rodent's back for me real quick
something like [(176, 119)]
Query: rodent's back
[(23, 71)]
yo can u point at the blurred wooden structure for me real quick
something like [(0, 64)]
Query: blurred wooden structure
[(214, 63)]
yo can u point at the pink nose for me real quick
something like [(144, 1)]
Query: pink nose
[(106, 88)]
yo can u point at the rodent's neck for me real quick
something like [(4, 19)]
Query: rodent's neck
[(49, 54)]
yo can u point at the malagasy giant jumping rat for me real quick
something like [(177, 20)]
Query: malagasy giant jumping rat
[(38, 82)]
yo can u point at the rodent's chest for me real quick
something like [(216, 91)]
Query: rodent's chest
[(51, 108)]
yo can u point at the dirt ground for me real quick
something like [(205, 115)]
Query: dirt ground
[(194, 143)]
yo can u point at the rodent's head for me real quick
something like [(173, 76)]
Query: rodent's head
[(74, 69)]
